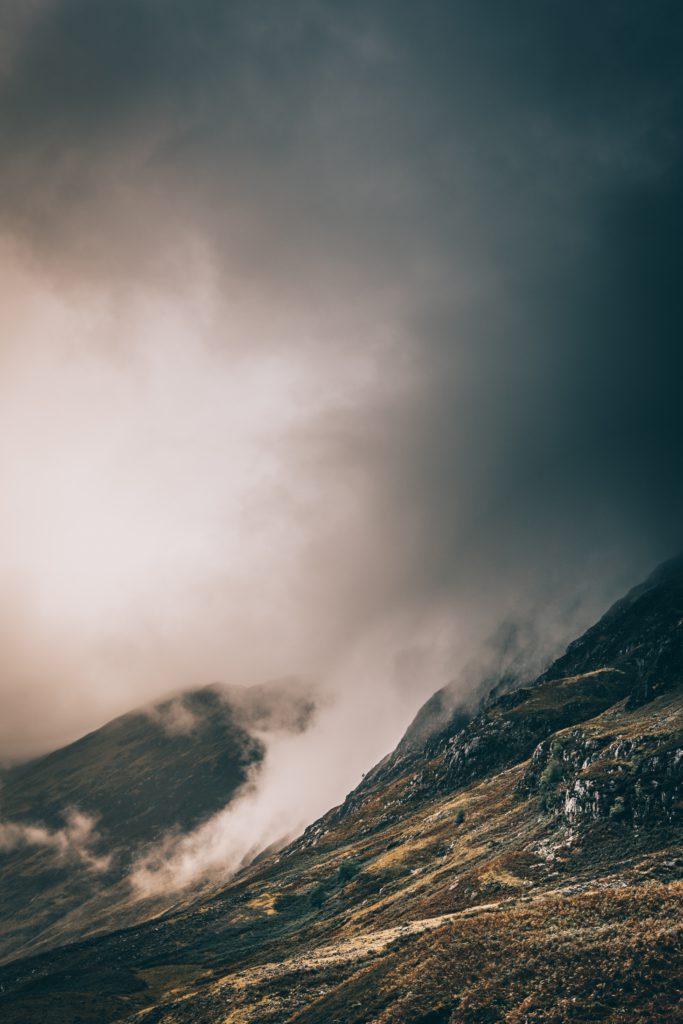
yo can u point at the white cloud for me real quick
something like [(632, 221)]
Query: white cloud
[(73, 842)]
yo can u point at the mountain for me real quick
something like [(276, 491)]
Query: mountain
[(519, 862), (73, 821)]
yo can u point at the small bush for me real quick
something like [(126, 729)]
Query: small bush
[(618, 808), (318, 896), (348, 869), (459, 817), (551, 774)]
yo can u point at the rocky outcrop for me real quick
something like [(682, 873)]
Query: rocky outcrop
[(636, 780), (524, 861), (634, 652)]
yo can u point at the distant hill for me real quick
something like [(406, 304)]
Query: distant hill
[(72, 822), (520, 862)]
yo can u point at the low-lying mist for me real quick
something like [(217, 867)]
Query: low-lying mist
[(69, 845), (334, 338), (311, 763)]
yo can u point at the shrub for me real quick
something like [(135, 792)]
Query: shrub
[(318, 896), (551, 774), (459, 817), (618, 808), (348, 869)]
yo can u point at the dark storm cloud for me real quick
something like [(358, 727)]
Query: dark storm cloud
[(488, 197)]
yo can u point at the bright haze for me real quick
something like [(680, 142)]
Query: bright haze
[(332, 336)]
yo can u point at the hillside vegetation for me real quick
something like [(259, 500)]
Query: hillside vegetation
[(521, 865)]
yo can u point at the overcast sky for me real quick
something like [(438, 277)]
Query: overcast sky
[(332, 335)]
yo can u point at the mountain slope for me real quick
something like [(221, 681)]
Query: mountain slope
[(74, 820), (520, 865)]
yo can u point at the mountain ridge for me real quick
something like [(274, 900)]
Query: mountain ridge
[(525, 868), (163, 768)]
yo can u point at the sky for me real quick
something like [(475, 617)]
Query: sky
[(333, 337)]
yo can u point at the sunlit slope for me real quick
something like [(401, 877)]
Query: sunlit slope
[(524, 867)]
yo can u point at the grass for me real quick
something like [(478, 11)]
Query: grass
[(510, 916), (610, 956)]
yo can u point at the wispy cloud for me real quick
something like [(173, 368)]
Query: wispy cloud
[(319, 322), (74, 843)]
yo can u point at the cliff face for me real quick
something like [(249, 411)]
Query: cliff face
[(630, 774), (522, 865)]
